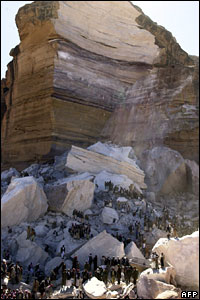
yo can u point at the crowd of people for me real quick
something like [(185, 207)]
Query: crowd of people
[(79, 231)]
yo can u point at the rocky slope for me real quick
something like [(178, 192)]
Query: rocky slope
[(85, 70)]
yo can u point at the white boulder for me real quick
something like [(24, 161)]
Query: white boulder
[(183, 255), (80, 196), (132, 251), (95, 288), (24, 201), (102, 244), (72, 193), (109, 215), (82, 160)]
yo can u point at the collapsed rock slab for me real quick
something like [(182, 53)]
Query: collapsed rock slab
[(95, 288), (132, 251), (82, 160), (169, 295), (148, 288), (24, 201), (183, 255), (109, 215), (102, 244)]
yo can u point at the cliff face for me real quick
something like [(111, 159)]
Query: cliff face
[(90, 70)]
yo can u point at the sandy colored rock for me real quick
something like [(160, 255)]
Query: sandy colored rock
[(166, 275), (28, 197), (109, 215), (169, 295), (102, 244), (82, 160), (94, 79), (183, 255), (132, 251)]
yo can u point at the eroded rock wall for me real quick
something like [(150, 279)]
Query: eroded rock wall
[(90, 70)]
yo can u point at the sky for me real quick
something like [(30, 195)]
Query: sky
[(181, 18)]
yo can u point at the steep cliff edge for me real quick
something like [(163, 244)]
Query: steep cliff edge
[(85, 71)]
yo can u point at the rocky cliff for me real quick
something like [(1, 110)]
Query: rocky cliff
[(89, 70)]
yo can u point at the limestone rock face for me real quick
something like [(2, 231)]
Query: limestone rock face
[(183, 255), (23, 201), (88, 66), (132, 251), (109, 215), (102, 244), (82, 160)]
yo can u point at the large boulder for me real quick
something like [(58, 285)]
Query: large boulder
[(148, 288), (82, 160), (166, 275), (169, 295), (102, 244), (95, 289), (51, 264), (24, 201), (29, 251), (165, 170), (109, 215), (72, 193), (183, 255), (132, 251)]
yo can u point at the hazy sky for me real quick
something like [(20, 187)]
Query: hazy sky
[(179, 17)]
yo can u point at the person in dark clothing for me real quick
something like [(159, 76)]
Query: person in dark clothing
[(95, 262), (105, 276), (90, 261), (162, 262), (119, 271), (42, 288), (135, 274)]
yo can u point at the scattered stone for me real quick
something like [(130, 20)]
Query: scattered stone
[(32, 170), (109, 215), (24, 201)]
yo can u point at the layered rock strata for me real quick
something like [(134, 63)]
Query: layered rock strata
[(88, 69)]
